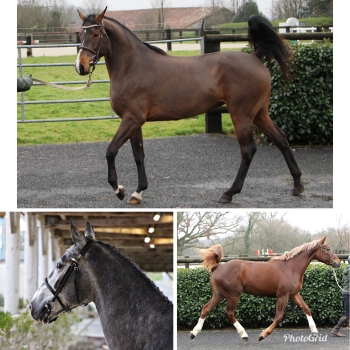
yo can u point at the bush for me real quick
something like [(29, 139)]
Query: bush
[(304, 109), (23, 332), (320, 292)]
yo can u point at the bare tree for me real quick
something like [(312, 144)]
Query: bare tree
[(93, 6), (161, 6), (283, 9), (193, 226)]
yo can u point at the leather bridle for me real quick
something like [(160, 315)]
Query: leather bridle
[(95, 52), (326, 252), (72, 268)]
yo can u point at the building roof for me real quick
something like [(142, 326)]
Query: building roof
[(175, 18)]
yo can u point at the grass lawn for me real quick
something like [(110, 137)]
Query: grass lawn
[(85, 131)]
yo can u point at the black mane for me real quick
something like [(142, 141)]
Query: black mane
[(154, 48), (137, 269)]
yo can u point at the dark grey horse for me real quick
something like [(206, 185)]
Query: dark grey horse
[(134, 313)]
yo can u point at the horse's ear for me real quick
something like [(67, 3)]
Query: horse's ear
[(99, 17), (323, 240), (77, 236), (89, 231), (81, 16)]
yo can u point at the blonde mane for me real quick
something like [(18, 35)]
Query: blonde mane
[(297, 250)]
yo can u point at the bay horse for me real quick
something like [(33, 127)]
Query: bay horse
[(146, 84), (281, 277), (134, 313)]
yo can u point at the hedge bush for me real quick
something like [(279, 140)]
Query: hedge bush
[(320, 292), (304, 108), (22, 332)]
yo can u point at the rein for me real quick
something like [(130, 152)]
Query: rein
[(72, 268)]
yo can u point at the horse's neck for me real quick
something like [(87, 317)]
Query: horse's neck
[(302, 260), (124, 46), (125, 299)]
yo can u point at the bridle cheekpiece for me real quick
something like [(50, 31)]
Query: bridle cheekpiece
[(95, 52), (72, 268)]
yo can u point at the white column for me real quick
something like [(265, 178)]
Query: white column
[(12, 261), (42, 254), (30, 257), (50, 251)]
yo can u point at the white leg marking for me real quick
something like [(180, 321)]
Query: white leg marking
[(120, 187), (137, 195), (312, 324), (241, 331), (198, 326)]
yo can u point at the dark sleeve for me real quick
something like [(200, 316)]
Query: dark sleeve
[(24, 84)]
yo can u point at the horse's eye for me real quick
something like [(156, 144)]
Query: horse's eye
[(96, 35), (59, 266)]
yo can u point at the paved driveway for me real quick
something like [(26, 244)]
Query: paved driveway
[(183, 172), (285, 339)]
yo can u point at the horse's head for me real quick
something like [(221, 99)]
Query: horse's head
[(325, 254), (93, 40), (67, 286)]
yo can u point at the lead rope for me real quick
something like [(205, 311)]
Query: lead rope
[(89, 82), (336, 279)]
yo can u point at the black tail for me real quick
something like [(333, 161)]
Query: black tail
[(266, 42)]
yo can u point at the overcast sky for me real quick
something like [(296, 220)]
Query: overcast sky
[(264, 5)]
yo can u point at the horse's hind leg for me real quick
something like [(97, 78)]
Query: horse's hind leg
[(139, 156), (298, 300), (267, 126), (214, 301)]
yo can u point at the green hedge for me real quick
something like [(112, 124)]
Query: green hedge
[(304, 109), (320, 292)]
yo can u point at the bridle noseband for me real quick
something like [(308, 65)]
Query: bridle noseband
[(95, 52), (73, 267)]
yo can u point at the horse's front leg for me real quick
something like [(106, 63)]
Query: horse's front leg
[(298, 300), (248, 149), (139, 155), (280, 308), (126, 129)]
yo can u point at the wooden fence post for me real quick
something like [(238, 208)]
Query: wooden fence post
[(213, 119), (168, 37)]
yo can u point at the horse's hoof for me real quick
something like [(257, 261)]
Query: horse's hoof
[(245, 338), (297, 190), (135, 198), (192, 336), (261, 337), (225, 199), (120, 192)]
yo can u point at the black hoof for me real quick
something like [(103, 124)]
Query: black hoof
[(245, 339), (121, 193), (225, 199), (297, 190), (192, 336), (261, 337)]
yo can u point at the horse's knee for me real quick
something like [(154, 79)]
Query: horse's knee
[(110, 154), (248, 152)]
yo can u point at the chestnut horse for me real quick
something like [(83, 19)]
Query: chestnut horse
[(146, 84), (281, 277)]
